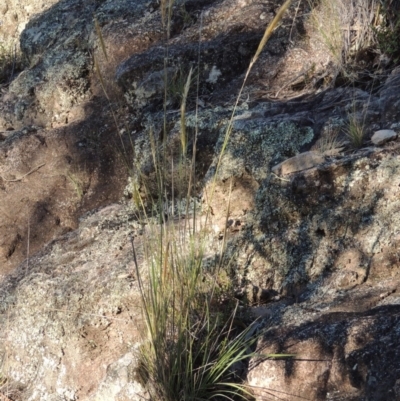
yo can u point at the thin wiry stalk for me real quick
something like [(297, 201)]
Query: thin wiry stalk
[(193, 162), (100, 36), (267, 34), (190, 354), (103, 86), (100, 75), (183, 114)]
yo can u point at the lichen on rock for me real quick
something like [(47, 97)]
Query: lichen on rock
[(255, 146), (314, 253)]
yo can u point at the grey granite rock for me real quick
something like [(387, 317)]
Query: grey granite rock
[(382, 136), (300, 162)]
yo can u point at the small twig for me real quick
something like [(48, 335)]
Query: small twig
[(280, 178), (22, 177)]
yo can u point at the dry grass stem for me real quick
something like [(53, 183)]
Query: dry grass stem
[(192, 346), (183, 113), (355, 131), (329, 143)]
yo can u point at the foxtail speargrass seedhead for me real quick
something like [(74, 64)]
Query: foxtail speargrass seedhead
[(192, 349)]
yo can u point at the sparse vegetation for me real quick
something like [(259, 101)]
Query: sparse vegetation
[(348, 30), (196, 344), (329, 142), (11, 62), (193, 349), (388, 31), (355, 130)]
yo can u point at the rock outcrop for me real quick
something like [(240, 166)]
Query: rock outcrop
[(72, 316), (312, 234), (331, 232)]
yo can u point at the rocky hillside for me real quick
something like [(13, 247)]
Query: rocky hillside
[(306, 197)]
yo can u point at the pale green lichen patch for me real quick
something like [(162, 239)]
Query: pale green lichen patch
[(255, 144), (258, 146)]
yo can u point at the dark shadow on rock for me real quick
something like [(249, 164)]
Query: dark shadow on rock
[(321, 208), (371, 368), (217, 61), (82, 169)]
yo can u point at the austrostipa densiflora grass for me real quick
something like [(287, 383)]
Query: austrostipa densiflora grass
[(356, 125), (355, 130), (346, 30), (190, 352), (329, 143), (193, 348)]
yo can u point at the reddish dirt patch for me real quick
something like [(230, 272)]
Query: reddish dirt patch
[(48, 178)]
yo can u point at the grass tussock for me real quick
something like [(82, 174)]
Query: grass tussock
[(329, 143), (346, 29), (355, 130), (11, 62), (194, 347)]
